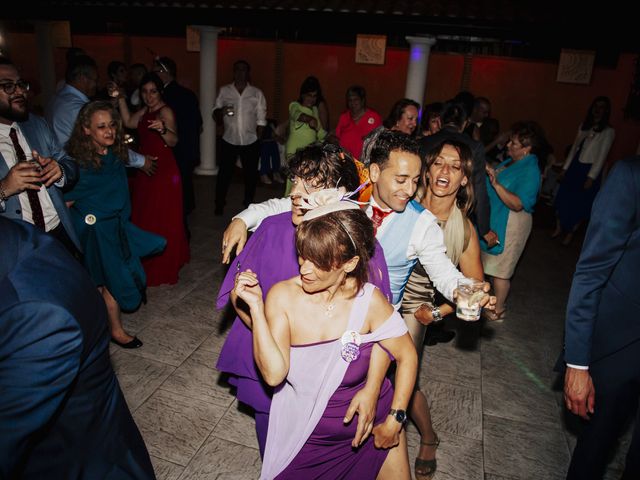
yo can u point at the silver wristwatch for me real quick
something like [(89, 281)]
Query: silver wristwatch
[(435, 313)]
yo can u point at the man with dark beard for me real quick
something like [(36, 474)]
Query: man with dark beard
[(30, 159)]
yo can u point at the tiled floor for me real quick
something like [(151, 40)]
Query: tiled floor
[(490, 389)]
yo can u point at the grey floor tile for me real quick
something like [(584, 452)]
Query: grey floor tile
[(172, 340), (525, 402), (197, 378), (195, 306), (523, 451), (166, 470), (136, 322), (458, 457), (213, 344), (454, 409), (447, 364), (237, 426), (223, 460), (174, 426), (138, 377)]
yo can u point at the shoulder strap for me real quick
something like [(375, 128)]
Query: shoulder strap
[(360, 307)]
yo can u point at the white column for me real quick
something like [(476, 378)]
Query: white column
[(417, 70), (46, 61), (208, 92)]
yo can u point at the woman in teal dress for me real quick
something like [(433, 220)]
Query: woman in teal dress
[(100, 211)]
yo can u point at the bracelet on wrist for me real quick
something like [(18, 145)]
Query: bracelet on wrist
[(3, 195)]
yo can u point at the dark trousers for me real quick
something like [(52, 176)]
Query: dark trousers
[(249, 155), (269, 158), (616, 380), (60, 234)]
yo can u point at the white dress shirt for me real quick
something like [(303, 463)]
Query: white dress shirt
[(250, 111), (427, 245), (51, 219)]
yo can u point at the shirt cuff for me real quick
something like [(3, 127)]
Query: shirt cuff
[(578, 367)]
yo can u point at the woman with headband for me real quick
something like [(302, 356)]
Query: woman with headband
[(313, 338)]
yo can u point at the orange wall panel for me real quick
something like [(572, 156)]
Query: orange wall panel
[(518, 89)]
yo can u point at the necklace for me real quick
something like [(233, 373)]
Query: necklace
[(328, 312)]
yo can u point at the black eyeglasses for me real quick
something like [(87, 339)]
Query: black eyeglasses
[(10, 87)]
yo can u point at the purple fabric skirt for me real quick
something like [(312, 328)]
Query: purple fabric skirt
[(328, 454)]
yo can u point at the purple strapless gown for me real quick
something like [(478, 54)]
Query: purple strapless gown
[(271, 254), (327, 454)]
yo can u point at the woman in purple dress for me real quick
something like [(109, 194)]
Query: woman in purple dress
[(271, 254), (315, 347)]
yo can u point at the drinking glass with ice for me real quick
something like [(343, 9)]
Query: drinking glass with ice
[(470, 294)]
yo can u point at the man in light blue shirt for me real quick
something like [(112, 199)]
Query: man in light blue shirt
[(62, 111)]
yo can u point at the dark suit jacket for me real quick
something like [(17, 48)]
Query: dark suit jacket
[(603, 313), (184, 104), (40, 137), (482, 209), (62, 413)]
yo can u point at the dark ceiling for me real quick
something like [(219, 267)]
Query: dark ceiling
[(529, 29)]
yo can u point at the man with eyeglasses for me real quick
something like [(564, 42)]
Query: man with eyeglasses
[(243, 109), (184, 104), (63, 109), (33, 167)]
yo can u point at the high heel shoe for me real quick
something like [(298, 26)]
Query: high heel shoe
[(426, 469)]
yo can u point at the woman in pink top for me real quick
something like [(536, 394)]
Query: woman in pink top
[(355, 123)]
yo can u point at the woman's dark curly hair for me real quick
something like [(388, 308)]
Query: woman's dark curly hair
[(325, 165)]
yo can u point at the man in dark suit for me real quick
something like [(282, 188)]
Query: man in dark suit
[(33, 167), (184, 104), (602, 329), (62, 413)]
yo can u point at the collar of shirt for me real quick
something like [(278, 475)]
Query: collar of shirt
[(6, 145), (385, 220)]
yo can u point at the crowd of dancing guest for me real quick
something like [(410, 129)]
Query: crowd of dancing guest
[(346, 285), (312, 169), (407, 233)]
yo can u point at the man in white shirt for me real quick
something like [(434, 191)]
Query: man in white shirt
[(243, 109)]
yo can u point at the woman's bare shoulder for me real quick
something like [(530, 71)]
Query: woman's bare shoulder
[(379, 309)]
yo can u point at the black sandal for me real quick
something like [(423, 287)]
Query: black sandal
[(426, 468)]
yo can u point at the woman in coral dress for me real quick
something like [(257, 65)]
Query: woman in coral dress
[(157, 200)]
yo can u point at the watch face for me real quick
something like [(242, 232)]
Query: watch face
[(401, 416)]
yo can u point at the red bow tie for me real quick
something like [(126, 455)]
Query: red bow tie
[(378, 217)]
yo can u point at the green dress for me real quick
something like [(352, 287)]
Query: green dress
[(112, 245)]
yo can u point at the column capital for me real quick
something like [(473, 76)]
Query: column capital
[(423, 40)]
